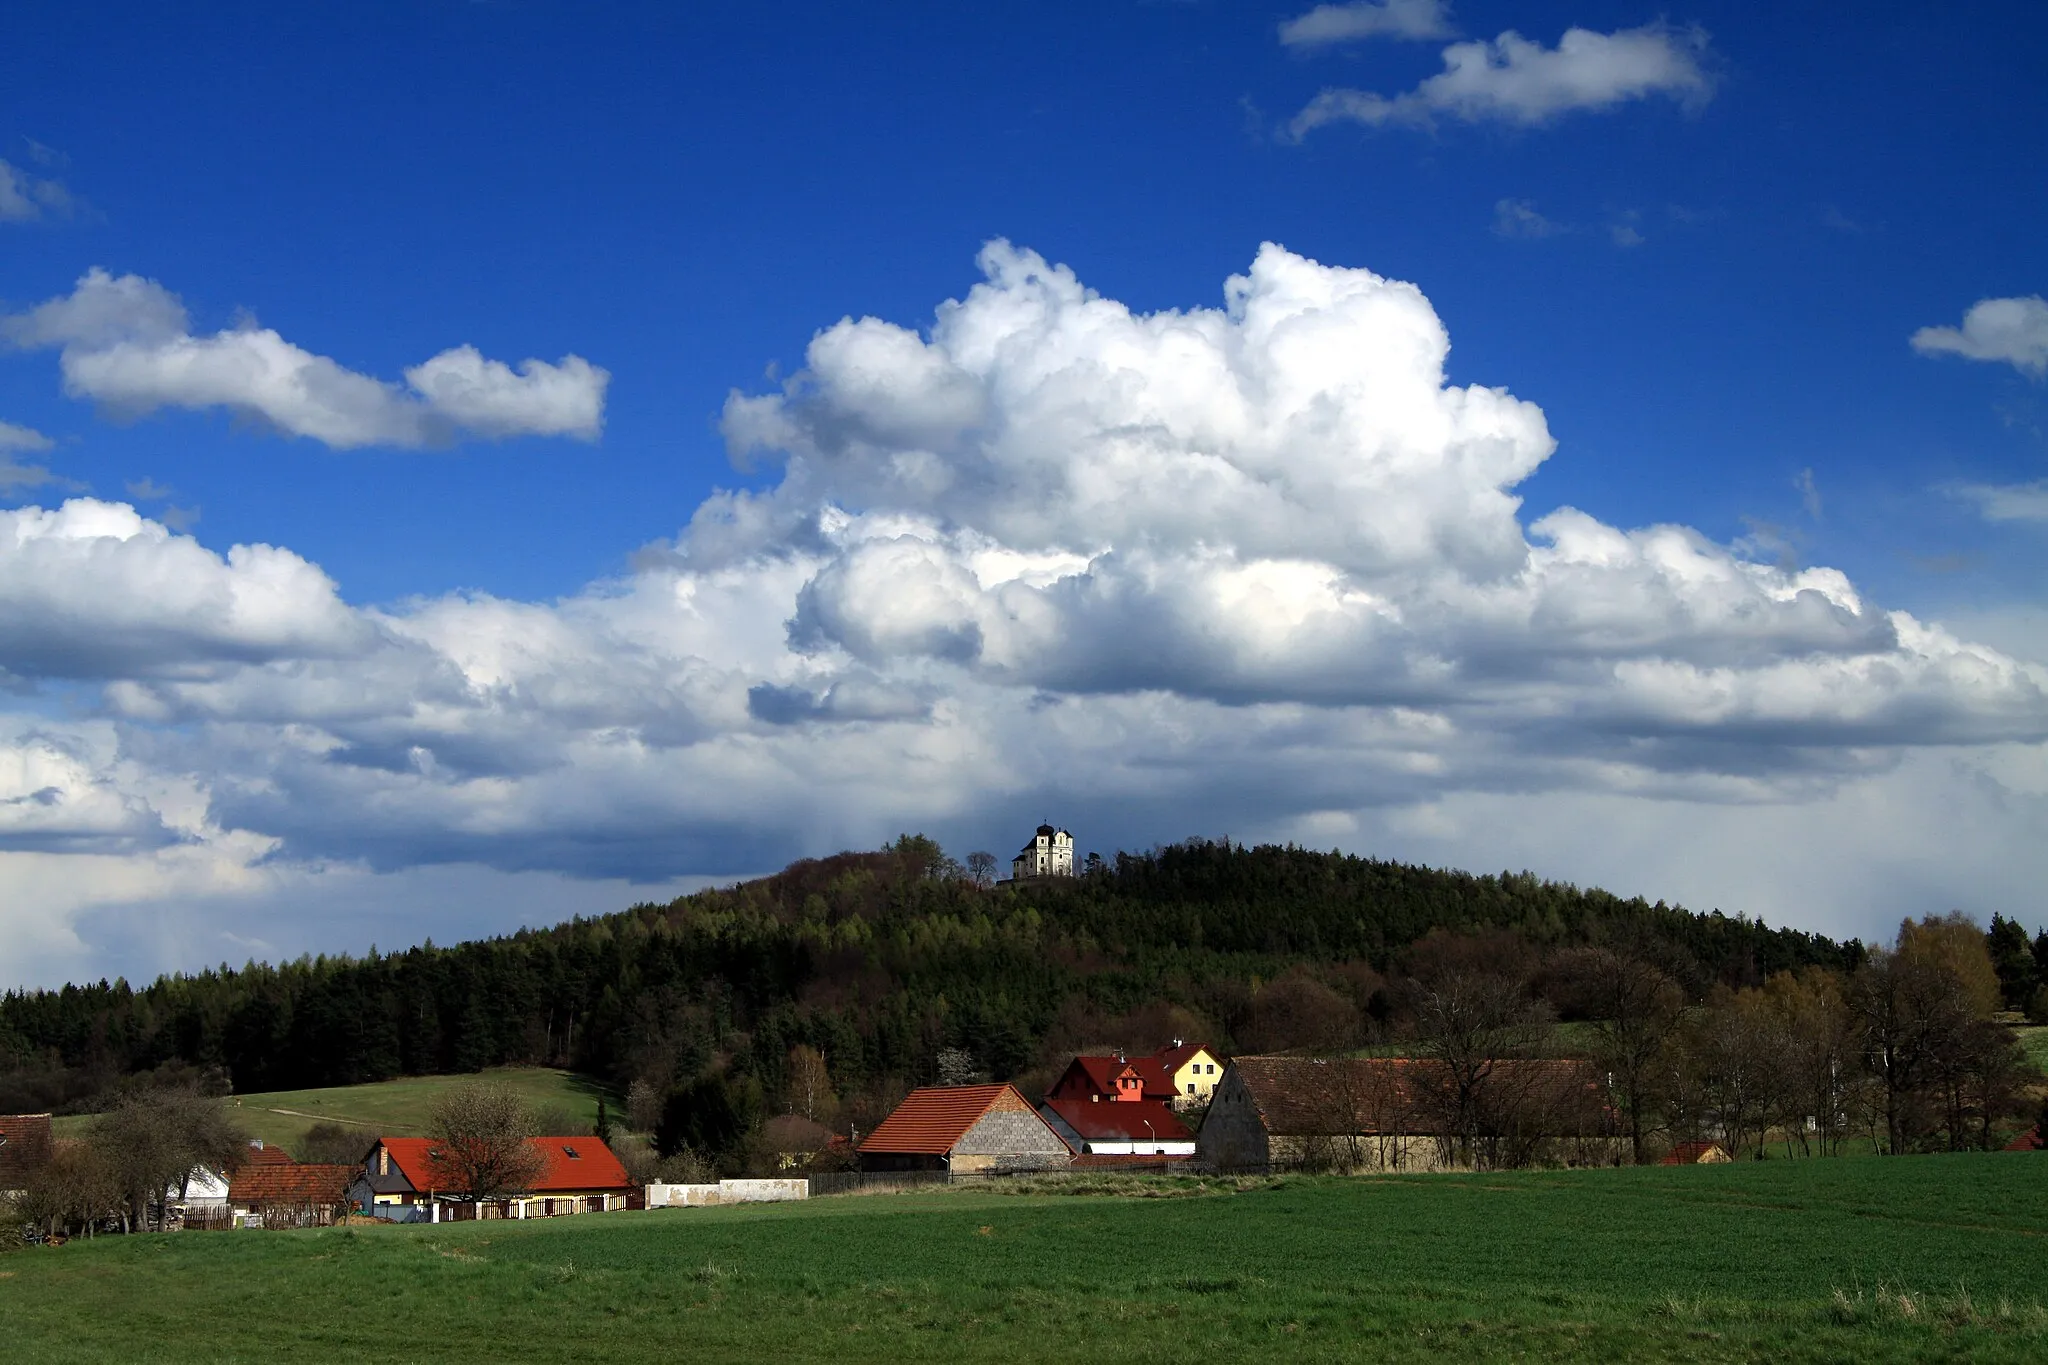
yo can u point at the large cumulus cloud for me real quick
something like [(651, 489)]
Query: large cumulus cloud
[(1255, 567)]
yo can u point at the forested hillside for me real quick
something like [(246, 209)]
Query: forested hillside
[(885, 965)]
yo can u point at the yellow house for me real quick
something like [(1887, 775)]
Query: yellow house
[(1187, 1072)]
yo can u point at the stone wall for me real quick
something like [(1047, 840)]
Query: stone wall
[(1010, 1139)]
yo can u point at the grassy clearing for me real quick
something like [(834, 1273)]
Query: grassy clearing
[(2034, 1039), (1931, 1258), (396, 1108)]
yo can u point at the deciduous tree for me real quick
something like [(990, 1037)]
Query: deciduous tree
[(480, 1133)]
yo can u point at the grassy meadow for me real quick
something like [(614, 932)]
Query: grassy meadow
[(1927, 1258), (395, 1108)]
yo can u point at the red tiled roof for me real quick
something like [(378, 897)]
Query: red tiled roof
[(1689, 1153), (2029, 1141), (24, 1148), (266, 1155), (1156, 1071), (269, 1182), (591, 1167), (1126, 1122), (931, 1120)]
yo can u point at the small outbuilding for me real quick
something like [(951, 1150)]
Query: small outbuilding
[(1696, 1154), (277, 1192), (968, 1128)]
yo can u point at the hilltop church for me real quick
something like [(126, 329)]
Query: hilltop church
[(1049, 854)]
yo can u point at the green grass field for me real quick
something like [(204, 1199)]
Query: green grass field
[(1926, 1258), (2034, 1038), (395, 1108)]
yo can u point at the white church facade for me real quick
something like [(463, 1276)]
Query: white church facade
[(1049, 854)]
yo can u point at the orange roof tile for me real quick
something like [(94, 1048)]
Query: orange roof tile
[(931, 1120), (291, 1182), (568, 1163)]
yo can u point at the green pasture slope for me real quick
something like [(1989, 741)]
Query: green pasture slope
[(1927, 1258), (396, 1108)]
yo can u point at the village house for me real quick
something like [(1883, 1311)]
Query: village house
[(405, 1180), (25, 1147), (204, 1195), (1140, 1128), (967, 1128), (273, 1191), (1696, 1154), (1049, 854), (1184, 1075), (1392, 1113)]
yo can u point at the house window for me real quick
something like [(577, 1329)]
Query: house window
[(1191, 1087)]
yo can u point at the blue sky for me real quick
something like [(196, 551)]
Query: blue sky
[(1701, 246)]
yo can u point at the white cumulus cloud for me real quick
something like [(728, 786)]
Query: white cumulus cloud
[(1255, 567), (2011, 331), (1511, 79), (125, 342), (1327, 24)]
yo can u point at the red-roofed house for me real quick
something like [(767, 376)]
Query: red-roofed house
[(24, 1149), (1696, 1154), (274, 1191), (2029, 1141), (406, 1180), (1146, 1128), (964, 1128), (1182, 1075)]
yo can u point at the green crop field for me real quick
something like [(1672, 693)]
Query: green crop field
[(397, 1108), (1926, 1258)]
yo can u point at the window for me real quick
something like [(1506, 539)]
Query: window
[(572, 1154), (1191, 1087)]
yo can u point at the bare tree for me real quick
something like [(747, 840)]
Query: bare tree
[(1634, 1007), (1469, 1021), (78, 1185), (808, 1085), (981, 867), (480, 1132)]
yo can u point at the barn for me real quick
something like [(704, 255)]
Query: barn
[(964, 1128), (1394, 1113)]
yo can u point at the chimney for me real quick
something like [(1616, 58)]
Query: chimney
[(383, 1159)]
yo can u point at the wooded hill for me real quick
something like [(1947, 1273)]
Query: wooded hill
[(891, 965)]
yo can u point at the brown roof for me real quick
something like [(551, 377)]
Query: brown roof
[(1334, 1096), (291, 1182), (931, 1120), (1694, 1154), (24, 1148)]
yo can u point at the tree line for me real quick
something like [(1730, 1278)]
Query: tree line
[(739, 1020)]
